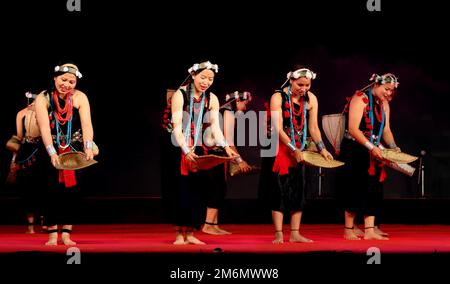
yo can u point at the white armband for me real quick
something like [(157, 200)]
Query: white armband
[(369, 146), (185, 149)]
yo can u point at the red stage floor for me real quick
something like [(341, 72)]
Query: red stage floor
[(254, 239)]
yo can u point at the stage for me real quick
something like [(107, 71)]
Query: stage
[(249, 245)]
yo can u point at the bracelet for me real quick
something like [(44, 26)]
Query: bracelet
[(392, 145), (320, 146), (291, 146), (185, 149), (50, 150), (88, 144), (369, 146)]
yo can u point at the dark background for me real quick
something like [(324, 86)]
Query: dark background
[(130, 53)]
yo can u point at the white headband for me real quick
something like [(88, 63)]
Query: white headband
[(204, 65), (303, 72), (68, 69), (385, 79)]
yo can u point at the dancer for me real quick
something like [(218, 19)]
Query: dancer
[(27, 165), (64, 118), (294, 109), (196, 101), (360, 180)]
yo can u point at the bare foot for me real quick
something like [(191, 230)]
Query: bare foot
[(371, 235), (69, 242), (190, 239), (211, 230), (52, 239), (350, 235), (358, 232), (278, 238), (179, 239), (297, 238), (30, 230), (222, 231), (65, 237), (380, 232)]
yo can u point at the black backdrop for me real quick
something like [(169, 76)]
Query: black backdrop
[(130, 53)]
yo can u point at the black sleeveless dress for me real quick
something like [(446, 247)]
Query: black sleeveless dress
[(358, 192), (191, 193), (31, 162), (287, 192), (64, 203)]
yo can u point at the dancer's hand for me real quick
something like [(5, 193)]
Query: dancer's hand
[(298, 156), (231, 153), (55, 160), (191, 157), (89, 154), (326, 155), (376, 152), (244, 167)]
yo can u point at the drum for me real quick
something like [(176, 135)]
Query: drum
[(334, 127)]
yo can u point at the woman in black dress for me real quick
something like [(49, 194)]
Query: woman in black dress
[(294, 111), (64, 119), (360, 180), (189, 104)]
